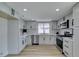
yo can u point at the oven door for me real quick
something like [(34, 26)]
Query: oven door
[(59, 42)]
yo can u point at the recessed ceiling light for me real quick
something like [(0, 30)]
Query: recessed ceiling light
[(33, 19), (50, 19), (25, 9), (57, 9)]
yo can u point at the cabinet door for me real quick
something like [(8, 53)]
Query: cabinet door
[(67, 46), (76, 15), (76, 22), (53, 40), (46, 39), (3, 37), (29, 41), (31, 25), (41, 39), (0, 39), (76, 42)]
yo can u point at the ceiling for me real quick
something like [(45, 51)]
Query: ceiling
[(44, 11)]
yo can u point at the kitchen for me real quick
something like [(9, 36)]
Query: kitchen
[(46, 35)]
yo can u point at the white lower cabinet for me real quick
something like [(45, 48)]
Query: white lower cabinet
[(67, 46), (47, 39)]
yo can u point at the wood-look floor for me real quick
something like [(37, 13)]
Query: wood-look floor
[(39, 51)]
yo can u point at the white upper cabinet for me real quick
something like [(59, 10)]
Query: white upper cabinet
[(31, 25), (76, 15)]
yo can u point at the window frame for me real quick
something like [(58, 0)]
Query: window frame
[(44, 28)]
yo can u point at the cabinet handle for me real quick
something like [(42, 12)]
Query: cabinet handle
[(66, 53)]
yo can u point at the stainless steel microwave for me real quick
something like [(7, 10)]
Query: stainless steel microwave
[(65, 24)]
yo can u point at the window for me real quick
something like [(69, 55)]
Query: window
[(43, 28), (40, 28)]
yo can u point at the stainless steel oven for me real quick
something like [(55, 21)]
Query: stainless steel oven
[(59, 41)]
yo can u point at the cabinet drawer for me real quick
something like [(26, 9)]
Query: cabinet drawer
[(67, 46), (66, 41), (66, 53)]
